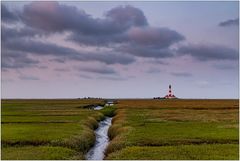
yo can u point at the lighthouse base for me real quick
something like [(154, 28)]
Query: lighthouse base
[(170, 97)]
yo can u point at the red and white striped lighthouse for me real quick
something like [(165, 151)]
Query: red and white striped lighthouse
[(170, 95), (170, 91)]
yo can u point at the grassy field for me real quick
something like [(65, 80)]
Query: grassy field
[(175, 129), (48, 129), (178, 152), (40, 153), (141, 129)]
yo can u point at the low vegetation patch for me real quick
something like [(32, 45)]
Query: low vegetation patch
[(179, 152), (29, 126), (147, 129), (40, 153), (109, 111), (141, 129)]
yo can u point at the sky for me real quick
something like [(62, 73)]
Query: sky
[(119, 49)]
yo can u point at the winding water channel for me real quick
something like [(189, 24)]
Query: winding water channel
[(102, 140)]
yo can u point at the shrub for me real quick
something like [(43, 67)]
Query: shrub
[(109, 111)]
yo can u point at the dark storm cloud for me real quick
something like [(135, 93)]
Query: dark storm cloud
[(128, 15), (144, 41), (102, 70), (124, 29), (63, 53), (38, 48), (7, 15), (231, 22), (146, 36), (120, 24), (156, 37), (8, 33), (147, 42), (16, 60), (99, 40), (55, 17), (181, 74), (209, 52)]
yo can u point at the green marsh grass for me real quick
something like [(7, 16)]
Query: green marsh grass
[(174, 123), (109, 111), (40, 153), (179, 152), (44, 125)]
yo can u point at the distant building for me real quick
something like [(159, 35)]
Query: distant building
[(170, 95)]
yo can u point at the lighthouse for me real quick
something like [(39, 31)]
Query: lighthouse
[(170, 91), (170, 95)]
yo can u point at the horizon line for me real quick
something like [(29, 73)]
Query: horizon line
[(108, 98)]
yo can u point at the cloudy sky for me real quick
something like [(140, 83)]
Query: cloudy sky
[(119, 49)]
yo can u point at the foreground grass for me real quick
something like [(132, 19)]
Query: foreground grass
[(40, 153), (179, 152), (179, 125), (142, 129), (30, 133), (34, 129)]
